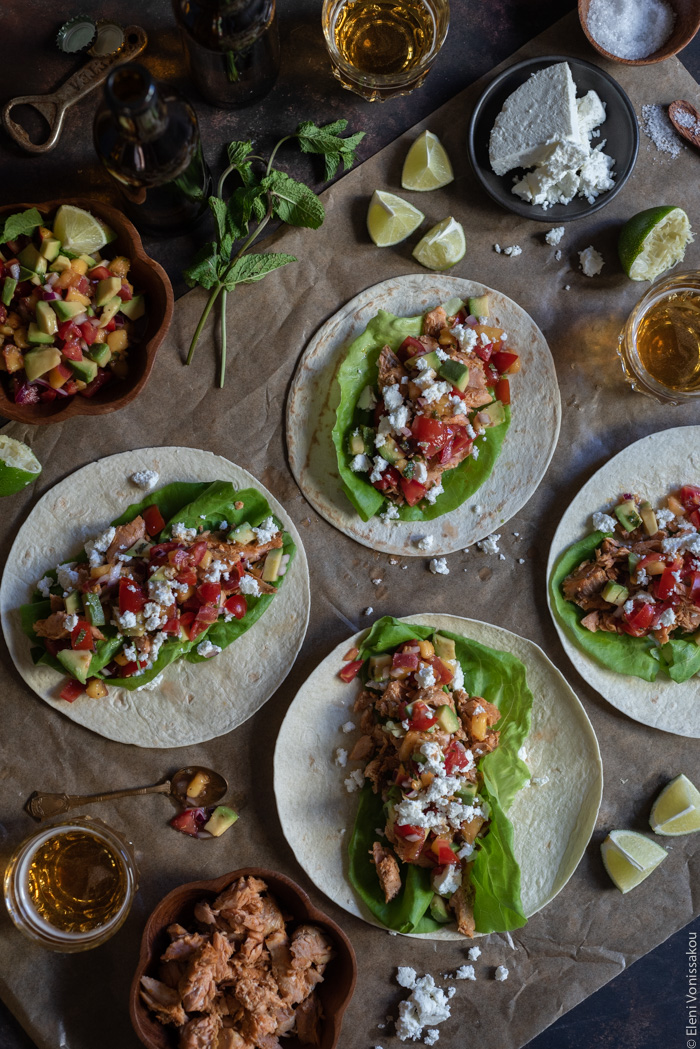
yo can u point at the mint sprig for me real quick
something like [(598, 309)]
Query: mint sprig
[(264, 193), (19, 223)]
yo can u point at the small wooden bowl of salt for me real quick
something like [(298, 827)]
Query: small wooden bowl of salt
[(639, 32)]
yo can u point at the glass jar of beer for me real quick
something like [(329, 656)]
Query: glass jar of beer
[(659, 345), (69, 886)]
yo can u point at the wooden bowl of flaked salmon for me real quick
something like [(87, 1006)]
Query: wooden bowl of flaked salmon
[(239, 961)]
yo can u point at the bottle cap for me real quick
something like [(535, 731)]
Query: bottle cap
[(109, 39), (77, 34)]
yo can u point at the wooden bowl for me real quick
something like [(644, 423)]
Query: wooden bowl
[(178, 906), (685, 28), (147, 276)]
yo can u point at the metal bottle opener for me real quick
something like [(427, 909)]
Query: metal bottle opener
[(53, 107)]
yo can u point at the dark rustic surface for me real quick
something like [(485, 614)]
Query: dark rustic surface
[(642, 1008)]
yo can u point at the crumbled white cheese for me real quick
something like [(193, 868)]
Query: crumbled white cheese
[(435, 391), (591, 261), (457, 405), (392, 396), (341, 757), (458, 678), (368, 611), (94, 548), (398, 419), (539, 781), (70, 623), (390, 514), (466, 851), (475, 452), (501, 973), (184, 535), (432, 493), (153, 615), (441, 355), (557, 255), (215, 571), (151, 686), (406, 977), (448, 880), (664, 517), (130, 652), (438, 566), (420, 471), (266, 531), (521, 560), (465, 972), (355, 781), (466, 337), (126, 621), (667, 618), (490, 544), (207, 649), (554, 236), (425, 677), (497, 248), (377, 581), (473, 953), (44, 586), (682, 542), (146, 479), (360, 464), (426, 1005), (249, 585), (431, 1036), (603, 522), (379, 466), (513, 250), (426, 542), (349, 726)]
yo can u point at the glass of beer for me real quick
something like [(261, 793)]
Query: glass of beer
[(659, 345), (383, 48)]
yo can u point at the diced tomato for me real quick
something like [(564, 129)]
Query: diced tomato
[(179, 557), (350, 671), (502, 360), (125, 292), (352, 653), (191, 821), (413, 491), (236, 605), (208, 614), (421, 717), (197, 552), (71, 690), (391, 478), (103, 376), (46, 396), (665, 585), (443, 674), (159, 553), (694, 518), (82, 286), (110, 325), (88, 332), (639, 619), (694, 592), (406, 830), (193, 626), (690, 497), (153, 520), (430, 434), (171, 625), (132, 596), (209, 593), (455, 757), (72, 351), (188, 576), (192, 604), (81, 636), (410, 347), (68, 331), (53, 647), (484, 352), (502, 391), (461, 441), (99, 273), (445, 855), (405, 660)]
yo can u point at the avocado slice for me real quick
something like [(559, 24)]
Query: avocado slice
[(133, 308), (447, 719), (479, 305), (66, 311), (242, 534), (107, 289), (38, 362), (36, 335), (628, 515), (456, 373), (109, 311), (648, 516), (431, 359), (391, 451), (94, 612), (439, 911), (26, 274), (46, 318), (273, 563), (444, 647), (379, 667), (615, 593), (32, 259), (496, 413), (220, 820), (356, 443), (85, 369), (140, 549), (366, 399), (72, 602), (60, 263), (8, 290), (76, 661), (51, 249), (100, 353)]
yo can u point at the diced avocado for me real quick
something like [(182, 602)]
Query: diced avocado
[(356, 443), (51, 249), (628, 515), (242, 534), (444, 647), (615, 593), (109, 311), (133, 308), (36, 335), (66, 311), (648, 516), (447, 719), (479, 305), (60, 263), (72, 602), (632, 561), (38, 362), (76, 661), (85, 369), (273, 563), (107, 289), (220, 820), (453, 306), (46, 318), (379, 667), (100, 354), (94, 612), (431, 360), (8, 290), (367, 398), (32, 259), (27, 274), (88, 260), (391, 451), (439, 911), (496, 413), (456, 373), (466, 794)]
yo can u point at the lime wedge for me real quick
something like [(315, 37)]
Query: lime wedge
[(79, 231), (427, 165), (391, 219), (653, 241), (629, 857), (18, 466), (677, 808), (442, 246)]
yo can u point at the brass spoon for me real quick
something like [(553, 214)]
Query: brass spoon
[(686, 120), (43, 806)]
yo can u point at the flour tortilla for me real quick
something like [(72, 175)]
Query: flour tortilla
[(193, 702), (652, 467), (552, 822), (527, 450)]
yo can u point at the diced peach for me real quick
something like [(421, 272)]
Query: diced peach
[(117, 340), (58, 376), (79, 266), (20, 338), (12, 358), (75, 296), (119, 266), (96, 689)]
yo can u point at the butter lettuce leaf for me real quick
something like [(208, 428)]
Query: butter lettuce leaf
[(359, 369)]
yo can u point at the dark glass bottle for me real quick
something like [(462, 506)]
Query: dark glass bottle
[(146, 135), (232, 46)]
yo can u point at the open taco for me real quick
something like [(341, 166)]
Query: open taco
[(524, 770), (624, 581), (443, 447), (175, 615)]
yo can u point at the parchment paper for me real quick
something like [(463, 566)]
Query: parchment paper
[(590, 932)]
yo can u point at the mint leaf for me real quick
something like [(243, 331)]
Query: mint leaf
[(218, 208), (327, 141), (243, 203), (251, 268), (238, 151), (205, 267), (21, 222), (293, 202)]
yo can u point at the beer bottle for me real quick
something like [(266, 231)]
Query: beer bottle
[(232, 47), (146, 135)]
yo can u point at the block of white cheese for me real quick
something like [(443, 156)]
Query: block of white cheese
[(591, 112), (541, 110)]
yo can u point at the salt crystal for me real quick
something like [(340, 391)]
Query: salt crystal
[(630, 29), (657, 127)]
